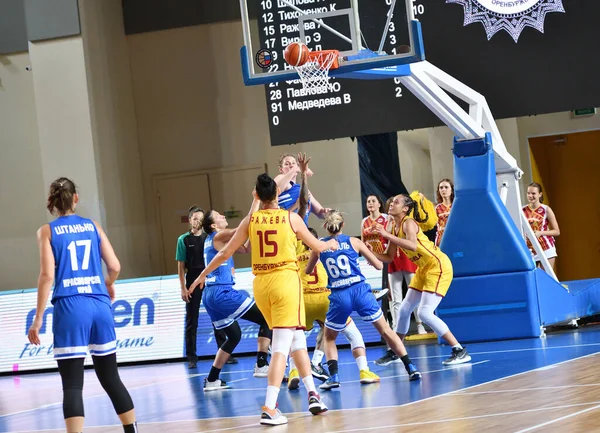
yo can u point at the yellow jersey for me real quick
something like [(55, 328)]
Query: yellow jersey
[(427, 253), (316, 281), (273, 241)]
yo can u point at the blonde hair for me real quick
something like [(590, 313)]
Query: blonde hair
[(333, 222)]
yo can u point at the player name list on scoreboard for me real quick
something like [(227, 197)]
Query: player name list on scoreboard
[(296, 114)]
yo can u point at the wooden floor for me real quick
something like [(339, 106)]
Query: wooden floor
[(556, 389)]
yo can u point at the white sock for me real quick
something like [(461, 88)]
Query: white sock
[(362, 363), (292, 364), (458, 346), (309, 383), (317, 357), (271, 400)]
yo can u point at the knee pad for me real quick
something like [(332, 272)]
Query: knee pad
[(265, 332), (426, 315), (108, 375), (282, 341), (72, 402), (299, 341), (354, 336)]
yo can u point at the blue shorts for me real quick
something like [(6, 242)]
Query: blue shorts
[(342, 302), (80, 323), (225, 305)]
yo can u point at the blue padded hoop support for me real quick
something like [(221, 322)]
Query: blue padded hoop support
[(497, 293)]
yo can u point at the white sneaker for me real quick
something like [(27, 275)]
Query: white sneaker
[(272, 417), (214, 386), (261, 371), (421, 329)]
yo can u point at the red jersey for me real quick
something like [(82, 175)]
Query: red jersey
[(374, 239), (443, 212), (538, 220)]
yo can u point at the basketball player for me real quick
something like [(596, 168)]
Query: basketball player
[(190, 262), (349, 292), (543, 223), (316, 304), (72, 249), (277, 288), (445, 198), (225, 305), (432, 278), (288, 198)]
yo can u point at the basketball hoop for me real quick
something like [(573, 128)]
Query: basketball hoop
[(314, 74)]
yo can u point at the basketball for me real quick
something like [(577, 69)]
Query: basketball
[(296, 54)]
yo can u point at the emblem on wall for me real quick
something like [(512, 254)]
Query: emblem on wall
[(509, 15)]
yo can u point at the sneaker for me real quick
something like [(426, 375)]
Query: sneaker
[(315, 405), (331, 382), (294, 379), (214, 386), (367, 376), (458, 356), (261, 371), (413, 373), (319, 372), (192, 364), (421, 329), (232, 360), (272, 417), (388, 358), (380, 293)]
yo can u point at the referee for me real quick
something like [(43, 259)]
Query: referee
[(190, 263)]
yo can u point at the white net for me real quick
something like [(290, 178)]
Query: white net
[(314, 74)]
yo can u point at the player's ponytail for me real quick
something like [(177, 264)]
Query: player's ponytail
[(61, 196), (421, 210), (333, 222), (266, 188)]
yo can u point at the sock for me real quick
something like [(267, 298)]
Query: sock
[(405, 360), (309, 383), (214, 374), (261, 359), (332, 365), (362, 363), (317, 357), (458, 346), (292, 364), (271, 399), (130, 428)]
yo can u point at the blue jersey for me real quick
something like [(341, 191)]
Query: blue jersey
[(76, 248), (224, 273), (342, 265), (288, 199)]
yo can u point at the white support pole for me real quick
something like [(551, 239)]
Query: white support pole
[(537, 247)]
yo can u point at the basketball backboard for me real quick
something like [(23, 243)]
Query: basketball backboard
[(369, 34)]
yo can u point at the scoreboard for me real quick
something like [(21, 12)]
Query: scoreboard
[(541, 72)]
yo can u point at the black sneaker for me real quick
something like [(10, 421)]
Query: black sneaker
[(458, 356), (232, 360), (192, 364), (319, 372), (388, 358), (413, 373)]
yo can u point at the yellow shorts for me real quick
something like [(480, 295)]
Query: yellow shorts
[(278, 296), (316, 305), (435, 278)]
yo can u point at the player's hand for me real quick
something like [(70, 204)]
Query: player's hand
[(111, 291), (197, 282), (369, 246), (303, 161), (333, 245), (185, 295), (34, 331), (537, 234)]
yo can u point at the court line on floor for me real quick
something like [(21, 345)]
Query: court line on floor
[(540, 388), (562, 418), (467, 418), (335, 410)]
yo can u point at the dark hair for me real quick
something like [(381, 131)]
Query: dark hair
[(439, 197), (414, 207), (539, 188), (313, 232), (61, 196), (207, 222), (379, 201), (193, 209), (266, 188)]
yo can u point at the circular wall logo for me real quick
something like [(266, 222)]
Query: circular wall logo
[(509, 15)]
